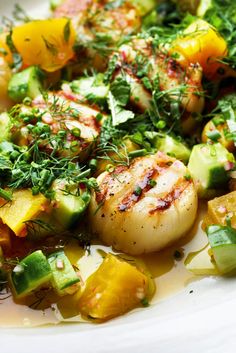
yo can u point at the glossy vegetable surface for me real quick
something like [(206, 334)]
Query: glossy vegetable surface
[(47, 43), (116, 119), (223, 245), (23, 208), (113, 289), (201, 44)]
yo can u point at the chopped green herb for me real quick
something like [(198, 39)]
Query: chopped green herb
[(67, 31)]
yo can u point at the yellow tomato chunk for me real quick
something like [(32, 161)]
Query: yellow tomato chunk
[(47, 43), (113, 289), (23, 207), (221, 207), (200, 43)]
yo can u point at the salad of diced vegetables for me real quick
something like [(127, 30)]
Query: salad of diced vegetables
[(117, 125)]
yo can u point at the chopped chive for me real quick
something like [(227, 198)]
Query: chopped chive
[(27, 101), (67, 31), (76, 132), (137, 153), (7, 195), (152, 183), (214, 135), (161, 124), (110, 168), (145, 302), (93, 164), (84, 174), (138, 191), (187, 177), (99, 117)]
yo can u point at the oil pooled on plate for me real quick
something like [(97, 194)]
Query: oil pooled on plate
[(166, 267)]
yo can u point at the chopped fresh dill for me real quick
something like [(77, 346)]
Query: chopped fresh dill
[(67, 31), (19, 14), (52, 48)]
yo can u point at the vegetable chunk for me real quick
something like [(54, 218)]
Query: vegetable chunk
[(24, 207), (64, 278), (25, 84), (113, 289), (31, 273), (215, 162), (201, 43), (221, 207), (223, 245), (47, 43)]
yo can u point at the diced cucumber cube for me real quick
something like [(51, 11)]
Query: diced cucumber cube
[(173, 147), (31, 273), (25, 84), (64, 278), (209, 165), (223, 244), (70, 206)]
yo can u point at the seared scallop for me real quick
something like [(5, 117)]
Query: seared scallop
[(145, 206), (183, 85), (60, 111)]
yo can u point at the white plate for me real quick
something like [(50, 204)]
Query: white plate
[(201, 321)]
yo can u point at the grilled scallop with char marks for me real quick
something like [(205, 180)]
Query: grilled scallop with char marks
[(59, 111), (100, 22), (144, 207), (182, 85)]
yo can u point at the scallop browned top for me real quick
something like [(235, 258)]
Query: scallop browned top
[(181, 84), (61, 111), (144, 206)]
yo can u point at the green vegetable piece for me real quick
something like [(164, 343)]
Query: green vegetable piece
[(118, 113), (92, 88), (5, 127), (30, 274), (203, 7), (200, 263), (171, 146), (223, 244), (25, 84), (70, 205), (144, 6), (209, 166), (64, 278), (54, 4)]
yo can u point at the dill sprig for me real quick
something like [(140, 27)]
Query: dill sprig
[(19, 14), (36, 169), (39, 163)]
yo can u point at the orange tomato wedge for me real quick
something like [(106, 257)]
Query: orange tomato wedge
[(46, 43), (201, 43)]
